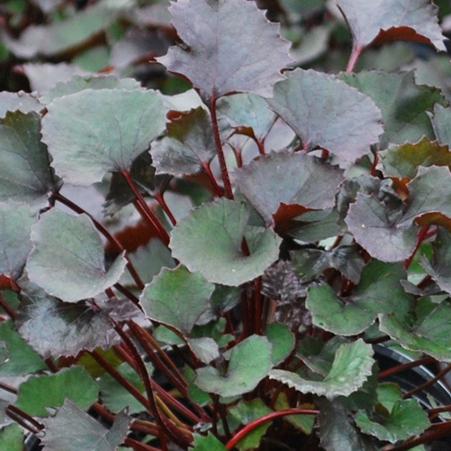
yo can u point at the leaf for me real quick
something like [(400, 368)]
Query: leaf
[(250, 362), (325, 112), (282, 341), (209, 241), (177, 297), (404, 104), (244, 111), (15, 243), (380, 291), (54, 328), (93, 132), (12, 438), (22, 359), (217, 65), (304, 423), (39, 393), (290, 179), (315, 226), (429, 334), (188, 147), (336, 431), (368, 19), (18, 101), (403, 161), (205, 349), (25, 173), (63, 241), (207, 443), (406, 419), (350, 369), (441, 122), (79, 83), (71, 429)]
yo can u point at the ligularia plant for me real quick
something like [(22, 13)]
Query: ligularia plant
[(212, 237)]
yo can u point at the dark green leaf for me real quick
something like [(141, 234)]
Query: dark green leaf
[(207, 443), (282, 341)]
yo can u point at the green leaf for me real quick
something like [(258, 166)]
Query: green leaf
[(22, 359), (25, 173), (63, 241), (315, 226), (305, 423), (218, 66), (367, 19), (188, 146), (288, 178), (403, 161), (209, 241), (325, 112), (250, 362), (15, 243), (94, 132), (282, 341), (350, 369), (18, 101), (406, 419), (205, 348), (71, 429), (177, 297), (12, 438), (207, 443), (39, 393), (403, 104), (441, 122), (429, 334)]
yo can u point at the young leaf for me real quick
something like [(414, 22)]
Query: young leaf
[(18, 101), (207, 443), (250, 362), (218, 64), (12, 438), (404, 104), (15, 243), (325, 112), (288, 178), (282, 341), (350, 369), (406, 419), (72, 429), (368, 19), (93, 132), (25, 173), (209, 241), (188, 146), (441, 122), (63, 241), (177, 297), (39, 393)]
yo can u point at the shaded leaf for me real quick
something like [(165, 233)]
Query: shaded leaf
[(290, 179), (177, 297), (325, 112), (205, 349), (189, 145), (250, 362), (25, 173), (18, 101), (350, 369), (71, 429), (39, 393), (209, 241), (305, 423), (12, 438), (441, 122), (368, 19), (282, 341), (63, 241), (112, 121), (217, 65), (207, 443), (315, 226)]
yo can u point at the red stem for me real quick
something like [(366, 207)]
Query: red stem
[(430, 382), (258, 300), (138, 446), (405, 366), (353, 59), (421, 237), (219, 150), (7, 308), (240, 435), (165, 207), (217, 189)]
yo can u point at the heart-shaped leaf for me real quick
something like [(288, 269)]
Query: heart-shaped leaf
[(350, 369), (72, 429), (188, 147), (210, 240), (217, 65), (288, 178), (93, 132), (177, 297), (18, 101), (39, 393), (441, 121), (368, 19), (25, 173), (325, 112), (250, 362), (63, 241)]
